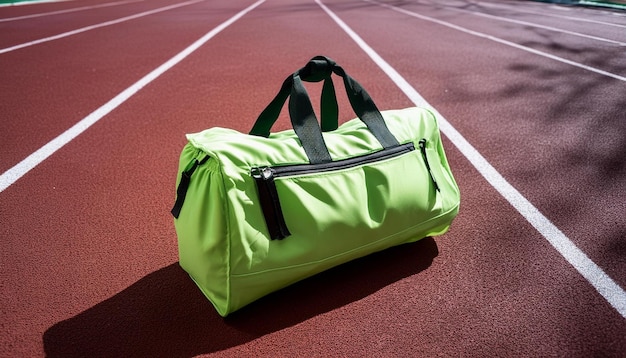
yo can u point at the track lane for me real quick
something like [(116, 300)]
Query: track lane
[(6, 18), (507, 271), (86, 233), (41, 7), (82, 234), (86, 72), (593, 33), (606, 286), (562, 47), (16, 33), (579, 16), (514, 123), (100, 207)]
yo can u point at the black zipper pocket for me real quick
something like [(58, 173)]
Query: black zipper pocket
[(268, 195), (183, 185)]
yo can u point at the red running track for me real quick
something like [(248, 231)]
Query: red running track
[(88, 251)]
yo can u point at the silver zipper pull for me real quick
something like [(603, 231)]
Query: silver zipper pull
[(267, 173), (264, 173)]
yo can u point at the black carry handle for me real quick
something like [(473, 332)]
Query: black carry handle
[(318, 69), (303, 118)]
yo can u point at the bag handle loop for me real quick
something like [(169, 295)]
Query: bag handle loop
[(303, 119), (316, 70)]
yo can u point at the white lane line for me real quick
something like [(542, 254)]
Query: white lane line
[(92, 27), (498, 40), (68, 10), (609, 289), (543, 13), (16, 172), (30, 2), (539, 26)]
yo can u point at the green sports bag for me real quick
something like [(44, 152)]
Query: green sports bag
[(257, 212)]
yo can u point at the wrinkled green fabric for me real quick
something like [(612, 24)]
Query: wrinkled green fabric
[(333, 216)]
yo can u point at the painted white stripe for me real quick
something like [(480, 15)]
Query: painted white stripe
[(92, 27), (532, 24), (67, 10), (609, 289), (30, 2), (543, 13), (499, 40), (16, 172)]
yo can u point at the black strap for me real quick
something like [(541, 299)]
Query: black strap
[(366, 110), (328, 106), (305, 124), (270, 114), (303, 118)]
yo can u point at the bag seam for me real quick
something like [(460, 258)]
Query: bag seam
[(226, 208)]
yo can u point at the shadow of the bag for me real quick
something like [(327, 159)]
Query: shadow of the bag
[(165, 315)]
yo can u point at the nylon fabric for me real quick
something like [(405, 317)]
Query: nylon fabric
[(333, 216)]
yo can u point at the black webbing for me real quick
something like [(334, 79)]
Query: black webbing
[(303, 118)]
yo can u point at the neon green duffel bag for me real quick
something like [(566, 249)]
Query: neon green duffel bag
[(257, 212)]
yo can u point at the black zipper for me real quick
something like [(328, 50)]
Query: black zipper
[(183, 185), (422, 144), (268, 195), (301, 169), (270, 205)]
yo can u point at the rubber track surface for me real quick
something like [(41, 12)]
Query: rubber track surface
[(88, 253)]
